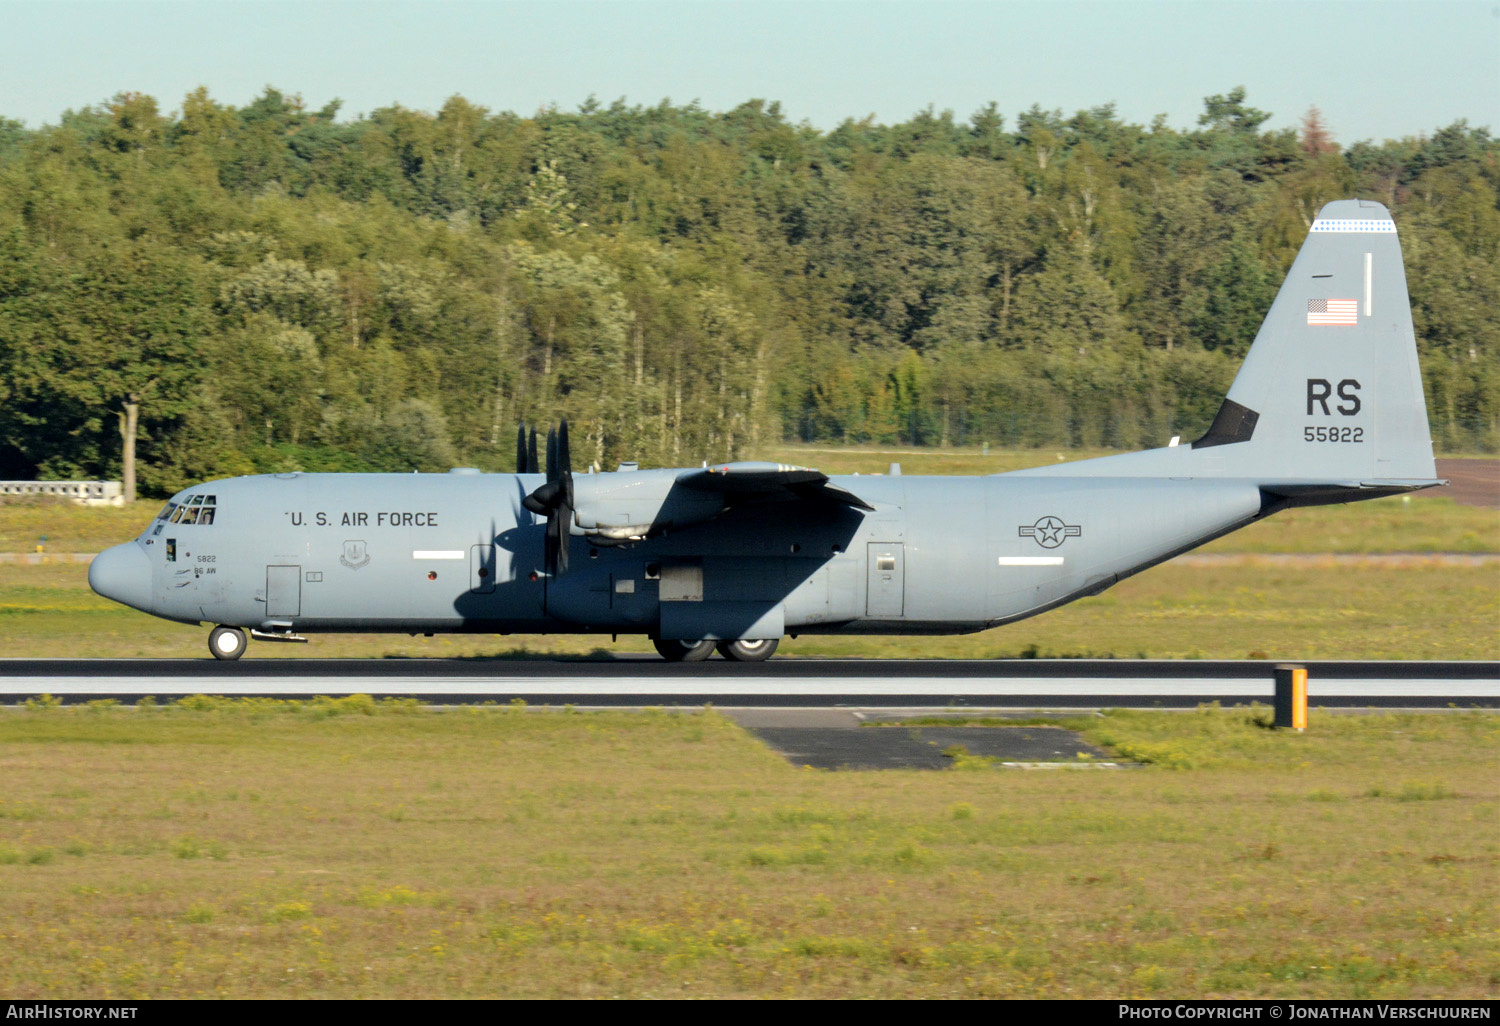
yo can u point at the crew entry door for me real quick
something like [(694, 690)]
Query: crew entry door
[(283, 591), (886, 588)]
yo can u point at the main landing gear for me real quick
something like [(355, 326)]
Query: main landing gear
[(227, 643), (697, 651)]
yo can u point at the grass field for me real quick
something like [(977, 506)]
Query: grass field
[(253, 850)]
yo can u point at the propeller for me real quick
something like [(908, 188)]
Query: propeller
[(554, 498), (526, 451)]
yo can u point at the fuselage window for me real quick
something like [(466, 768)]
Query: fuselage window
[(171, 550)]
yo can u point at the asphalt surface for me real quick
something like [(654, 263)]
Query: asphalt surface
[(1470, 482), (808, 683), (895, 747)]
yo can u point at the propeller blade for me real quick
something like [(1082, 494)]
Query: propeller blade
[(565, 500), (565, 462), (520, 448), (554, 498), (553, 560), (532, 465)]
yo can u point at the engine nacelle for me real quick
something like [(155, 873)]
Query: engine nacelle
[(619, 508)]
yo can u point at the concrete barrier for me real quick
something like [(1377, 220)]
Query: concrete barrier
[(85, 493)]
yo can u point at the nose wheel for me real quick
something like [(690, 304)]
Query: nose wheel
[(227, 643)]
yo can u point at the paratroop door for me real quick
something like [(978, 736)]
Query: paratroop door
[(885, 592)]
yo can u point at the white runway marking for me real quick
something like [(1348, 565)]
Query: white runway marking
[(834, 687)]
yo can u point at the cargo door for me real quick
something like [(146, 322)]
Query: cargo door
[(283, 591), (886, 576)]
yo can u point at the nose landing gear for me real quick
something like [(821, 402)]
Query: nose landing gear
[(227, 643)]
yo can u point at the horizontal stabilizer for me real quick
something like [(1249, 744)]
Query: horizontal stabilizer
[(1321, 493)]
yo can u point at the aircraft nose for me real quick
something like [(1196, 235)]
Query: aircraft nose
[(123, 573)]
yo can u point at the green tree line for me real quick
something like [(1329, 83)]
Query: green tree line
[(268, 287)]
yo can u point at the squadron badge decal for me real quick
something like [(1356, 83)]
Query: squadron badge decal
[(356, 554), (1050, 532)]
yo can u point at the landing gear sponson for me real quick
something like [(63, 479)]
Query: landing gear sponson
[(229, 643)]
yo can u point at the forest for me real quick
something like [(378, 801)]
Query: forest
[(268, 287)]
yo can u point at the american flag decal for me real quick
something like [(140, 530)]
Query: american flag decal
[(1333, 311)]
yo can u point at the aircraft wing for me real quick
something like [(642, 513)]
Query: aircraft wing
[(768, 480)]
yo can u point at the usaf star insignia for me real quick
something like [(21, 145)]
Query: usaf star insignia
[(1050, 532)]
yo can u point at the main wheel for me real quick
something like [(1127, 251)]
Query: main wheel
[(683, 651), (748, 651), (226, 642)]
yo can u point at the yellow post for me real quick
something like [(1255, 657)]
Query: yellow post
[(1291, 697)]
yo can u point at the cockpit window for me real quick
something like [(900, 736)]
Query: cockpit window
[(196, 509)]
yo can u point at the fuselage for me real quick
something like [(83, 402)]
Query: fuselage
[(428, 553)]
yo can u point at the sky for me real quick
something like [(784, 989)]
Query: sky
[(1377, 69)]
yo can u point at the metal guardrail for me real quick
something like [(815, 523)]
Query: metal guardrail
[(41, 558), (88, 493)]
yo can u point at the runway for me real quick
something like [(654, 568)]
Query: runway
[(804, 683)]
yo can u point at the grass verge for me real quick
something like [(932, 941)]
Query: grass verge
[(353, 848)]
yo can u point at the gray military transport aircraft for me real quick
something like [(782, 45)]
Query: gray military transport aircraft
[(1327, 408)]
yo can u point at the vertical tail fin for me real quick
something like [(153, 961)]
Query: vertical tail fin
[(1331, 390)]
